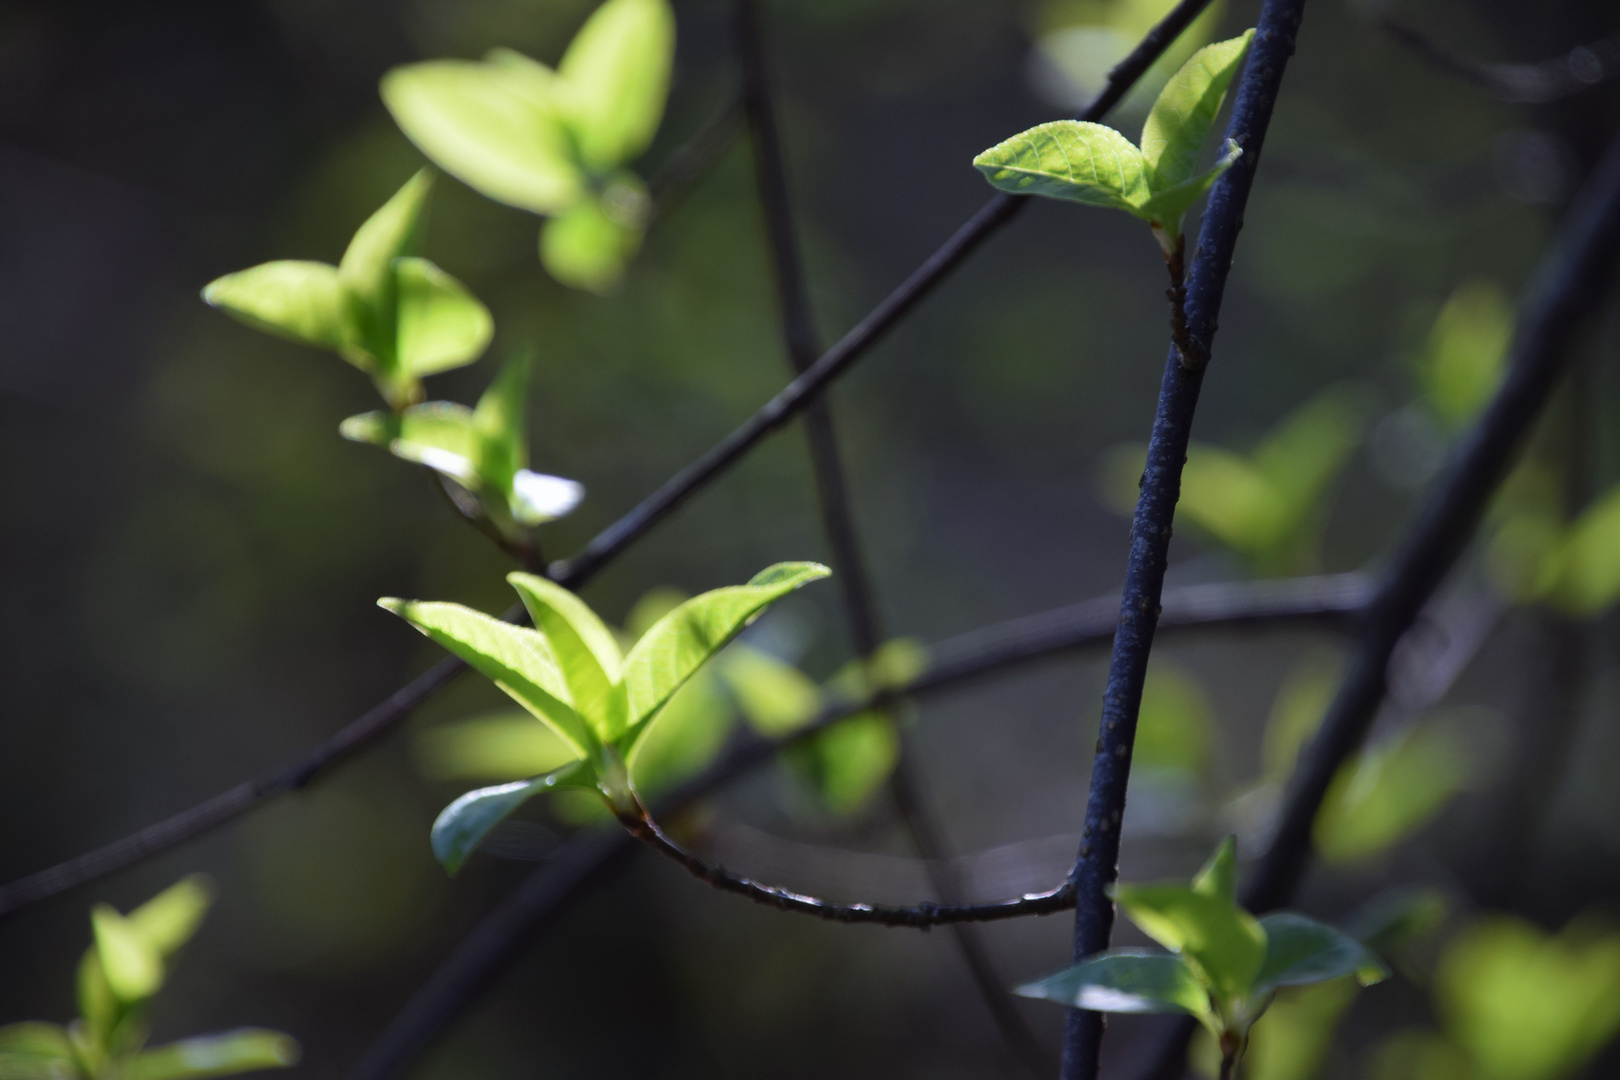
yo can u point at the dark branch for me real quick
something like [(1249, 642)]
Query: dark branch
[(1097, 864), (1330, 602), (1582, 68), (693, 158)]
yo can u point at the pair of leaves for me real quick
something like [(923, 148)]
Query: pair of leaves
[(484, 449), (571, 674), (1224, 965), (553, 142), (393, 315), (1093, 164), (118, 976)]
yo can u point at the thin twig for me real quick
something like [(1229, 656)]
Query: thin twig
[(525, 552), (1329, 602), (608, 544), (1571, 280), (1582, 68), (1097, 864), (693, 158)]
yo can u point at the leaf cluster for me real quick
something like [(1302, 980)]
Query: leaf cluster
[(554, 142), (120, 974)]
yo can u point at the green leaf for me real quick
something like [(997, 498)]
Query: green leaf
[(615, 78), (518, 660), (225, 1054), (682, 641), (1126, 981), (589, 245), (168, 920), (367, 269), (1069, 159), (1390, 791), (584, 649), (36, 1051), (1218, 879), (440, 324), (502, 422), (304, 301), (1292, 1039), (1301, 951), (1167, 207), (1463, 359), (438, 434), (1415, 1054), (847, 763), (1222, 943), (1583, 570), (492, 125), (691, 731), (1174, 724), (97, 1004), (460, 826), (1181, 119), (776, 697), (506, 745), (133, 968)]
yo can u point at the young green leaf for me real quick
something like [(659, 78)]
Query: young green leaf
[(1461, 363), (1069, 159), (1301, 951), (690, 733), (518, 660), (133, 968), (1582, 573), (1223, 943), (168, 920), (501, 423), (1218, 879), (615, 77), (440, 325), (466, 821), (367, 269), (1181, 118), (225, 1054), (584, 649), (97, 1004), (1167, 207), (1389, 791), (438, 434), (776, 697), (1126, 981), (589, 245), (304, 301), (849, 762), (506, 745), (493, 125), (35, 1051), (680, 642)]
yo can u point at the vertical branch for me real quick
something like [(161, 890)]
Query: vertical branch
[(1097, 864), (798, 331)]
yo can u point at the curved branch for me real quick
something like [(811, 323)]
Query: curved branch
[(1582, 68)]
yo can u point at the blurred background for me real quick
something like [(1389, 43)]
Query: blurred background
[(192, 554)]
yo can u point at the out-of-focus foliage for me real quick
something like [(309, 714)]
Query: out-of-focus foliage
[(1092, 164), (554, 142), (1080, 41), (1175, 728), (390, 314), (485, 450), (118, 977), (1462, 362)]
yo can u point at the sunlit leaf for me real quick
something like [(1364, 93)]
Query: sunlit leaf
[(515, 658), (680, 643), (584, 649), (1463, 359), (847, 763), (168, 920), (133, 968), (1223, 943), (1218, 878), (1301, 951), (367, 269), (96, 1002), (304, 301), (509, 745), (225, 1054), (540, 497), (1582, 574), (501, 421), (776, 697), (615, 78), (1126, 981), (492, 125), (691, 731), (1528, 1005), (589, 245), (441, 325), (1389, 791), (1167, 207), (1069, 159), (460, 826), (1180, 120), (438, 434)]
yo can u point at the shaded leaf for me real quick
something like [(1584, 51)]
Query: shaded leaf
[(517, 659), (304, 301), (1292, 1039), (1174, 724), (1389, 791), (1582, 573), (466, 821), (1181, 118), (1222, 943), (168, 920), (132, 967), (225, 1054), (615, 78), (1218, 878), (440, 324), (492, 125), (509, 745), (690, 733), (1069, 159), (1462, 361), (1301, 951), (589, 245), (584, 649), (1126, 981), (776, 697), (682, 641), (847, 763)]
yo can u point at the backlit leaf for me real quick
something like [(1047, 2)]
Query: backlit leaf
[(438, 434), (304, 301), (1126, 981), (584, 649), (225, 1054), (501, 420), (1584, 569), (682, 641), (1301, 951), (1463, 359), (1069, 159), (508, 745), (1167, 207), (615, 78), (589, 245), (690, 733), (1389, 791), (1181, 118), (518, 660), (491, 125), (441, 325), (847, 763), (133, 968), (367, 269), (1223, 943), (776, 697), (168, 920)]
